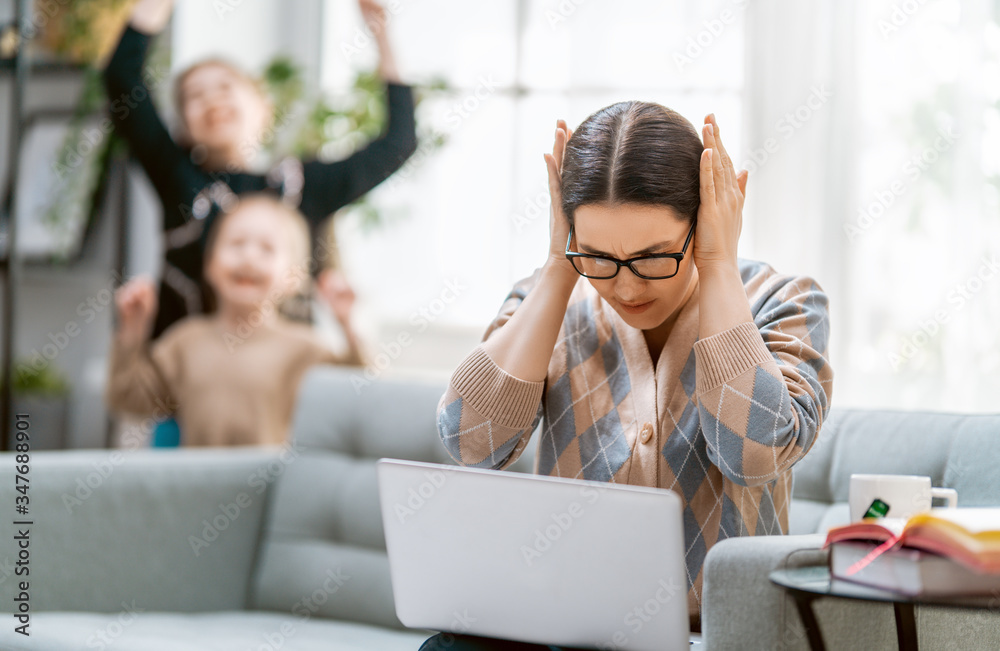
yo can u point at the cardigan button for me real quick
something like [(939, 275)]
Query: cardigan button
[(646, 433)]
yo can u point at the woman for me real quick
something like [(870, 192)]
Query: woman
[(225, 116), (651, 352)]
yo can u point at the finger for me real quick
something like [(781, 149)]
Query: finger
[(718, 172), (559, 146), (708, 137), (561, 124), (560, 224), (555, 183), (741, 181), (726, 161), (708, 134), (707, 177)]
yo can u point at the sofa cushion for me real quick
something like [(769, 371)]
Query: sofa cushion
[(890, 442), (326, 579), (212, 631), (118, 526), (325, 514), (954, 450), (811, 473), (959, 451), (805, 516), (974, 460)]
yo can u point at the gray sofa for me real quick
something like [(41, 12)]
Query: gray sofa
[(241, 549), (270, 549)]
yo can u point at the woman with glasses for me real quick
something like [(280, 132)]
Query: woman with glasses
[(648, 350)]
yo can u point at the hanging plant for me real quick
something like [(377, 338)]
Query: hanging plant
[(81, 31)]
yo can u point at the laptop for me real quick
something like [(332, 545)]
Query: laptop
[(533, 558)]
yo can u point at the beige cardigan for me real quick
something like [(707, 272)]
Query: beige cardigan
[(719, 421), (223, 389)]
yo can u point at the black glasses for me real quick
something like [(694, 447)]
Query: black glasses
[(649, 267)]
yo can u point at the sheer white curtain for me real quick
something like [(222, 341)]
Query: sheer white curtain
[(888, 193), (925, 237), (799, 142)]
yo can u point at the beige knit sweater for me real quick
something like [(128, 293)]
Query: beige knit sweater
[(223, 389), (720, 421)]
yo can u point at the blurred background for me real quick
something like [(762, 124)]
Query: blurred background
[(871, 130)]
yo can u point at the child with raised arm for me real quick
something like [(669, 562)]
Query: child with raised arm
[(231, 377), (224, 116)]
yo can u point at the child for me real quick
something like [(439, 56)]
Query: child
[(224, 118), (231, 376)]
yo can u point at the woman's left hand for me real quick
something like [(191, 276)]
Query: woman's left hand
[(720, 215)]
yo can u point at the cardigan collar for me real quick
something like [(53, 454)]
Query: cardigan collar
[(676, 349)]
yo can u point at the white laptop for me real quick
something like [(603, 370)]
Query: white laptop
[(533, 558)]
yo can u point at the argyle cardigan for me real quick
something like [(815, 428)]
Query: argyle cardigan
[(719, 421)]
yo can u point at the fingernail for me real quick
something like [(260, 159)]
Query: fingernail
[(711, 129)]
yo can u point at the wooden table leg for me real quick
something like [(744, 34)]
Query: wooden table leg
[(906, 626), (804, 604)]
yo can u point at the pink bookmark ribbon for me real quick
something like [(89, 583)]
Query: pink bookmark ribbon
[(872, 555)]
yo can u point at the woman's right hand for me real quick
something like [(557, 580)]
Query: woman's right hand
[(558, 223), (136, 305), (151, 16), (523, 346)]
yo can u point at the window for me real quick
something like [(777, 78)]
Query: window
[(923, 252), (476, 212)]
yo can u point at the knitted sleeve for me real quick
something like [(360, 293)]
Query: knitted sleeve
[(486, 416), (764, 388)]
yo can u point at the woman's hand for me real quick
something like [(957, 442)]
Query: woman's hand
[(720, 216), (558, 223), (136, 305), (151, 16)]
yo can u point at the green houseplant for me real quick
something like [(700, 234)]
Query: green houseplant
[(41, 393), (81, 31)]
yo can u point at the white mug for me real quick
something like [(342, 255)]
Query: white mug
[(905, 495)]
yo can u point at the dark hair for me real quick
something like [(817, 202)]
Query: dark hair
[(633, 152)]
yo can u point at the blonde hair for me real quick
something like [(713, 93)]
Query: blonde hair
[(235, 70)]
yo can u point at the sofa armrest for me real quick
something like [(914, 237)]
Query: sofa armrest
[(169, 530), (741, 608)]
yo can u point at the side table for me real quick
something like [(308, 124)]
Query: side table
[(807, 584)]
